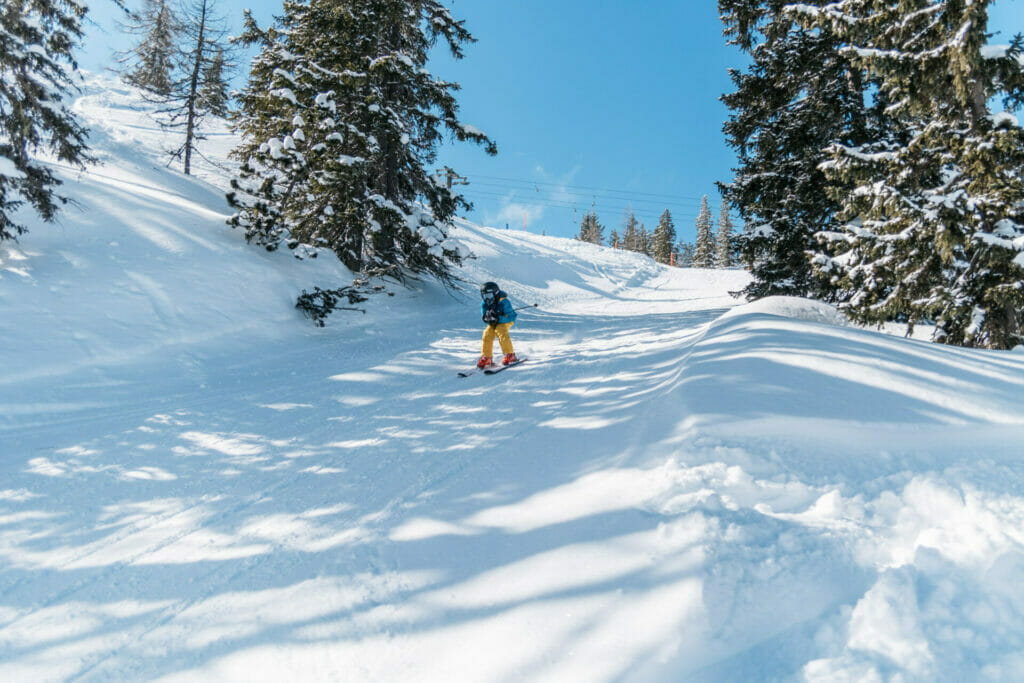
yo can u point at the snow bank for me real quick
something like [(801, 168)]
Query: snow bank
[(909, 457), (792, 307)]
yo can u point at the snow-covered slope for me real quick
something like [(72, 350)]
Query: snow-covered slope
[(197, 484)]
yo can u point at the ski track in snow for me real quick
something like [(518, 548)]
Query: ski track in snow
[(199, 485)]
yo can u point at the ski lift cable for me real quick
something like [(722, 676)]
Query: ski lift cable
[(554, 193), (551, 203), (583, 187)]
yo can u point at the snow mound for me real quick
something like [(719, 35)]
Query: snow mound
[(793, 307)]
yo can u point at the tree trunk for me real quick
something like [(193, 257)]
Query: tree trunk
[(193, 89)]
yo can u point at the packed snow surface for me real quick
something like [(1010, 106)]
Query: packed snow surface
[(196, 484)]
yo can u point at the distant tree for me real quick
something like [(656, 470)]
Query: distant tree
[(151, 63), (686, 254), (613, 239), (664, 238), (704, 250), (36, 65), (631, 232), (591, 229), (215, 92), (724, 255), (339, 122), (643, 240)]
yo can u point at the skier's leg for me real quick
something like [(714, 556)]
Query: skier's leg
[(503, 338), (488, 342)]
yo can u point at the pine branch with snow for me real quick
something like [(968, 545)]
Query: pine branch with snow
[(799, 95), (37, 39), (934, 229)]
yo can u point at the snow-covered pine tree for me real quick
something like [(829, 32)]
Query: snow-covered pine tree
[(935, 226), (614, 240), (584, 228), (664, 238), (151, 63), (643, 240), (36, 43), (630, 233), (591, 229), (339, 119), (725, 242), (686, 253), (596, 229), (704, 250), (799, 94)]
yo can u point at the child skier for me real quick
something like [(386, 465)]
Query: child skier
[(497, 312)]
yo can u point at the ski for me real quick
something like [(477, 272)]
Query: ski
[(496, 369), (473, 371)]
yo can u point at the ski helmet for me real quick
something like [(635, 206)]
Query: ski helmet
[(489, 290)]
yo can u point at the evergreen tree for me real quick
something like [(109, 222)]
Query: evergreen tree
[(150, 64), (339, 119), (214, 93), (664, 238), (643, 240), (704, 250), (799, 94), (613, 239), (631, 234), (934, 229), (597, 230), (687, 250), (36, 43), (725, 240), (591, 229)]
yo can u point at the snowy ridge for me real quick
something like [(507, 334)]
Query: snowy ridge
[(197, 484)]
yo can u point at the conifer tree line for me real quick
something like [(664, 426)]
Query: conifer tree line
[(877, 168), (711, 250)]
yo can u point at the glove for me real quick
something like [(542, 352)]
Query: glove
[(490, 317)]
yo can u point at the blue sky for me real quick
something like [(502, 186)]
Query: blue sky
[(610, 104)]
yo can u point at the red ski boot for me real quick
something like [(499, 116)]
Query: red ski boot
[(509, 359), (484, 362)]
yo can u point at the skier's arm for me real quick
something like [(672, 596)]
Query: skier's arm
[(509, 311)]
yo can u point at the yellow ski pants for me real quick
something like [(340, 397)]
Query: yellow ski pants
[(501, 331)]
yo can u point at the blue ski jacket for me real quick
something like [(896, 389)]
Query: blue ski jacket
[(505, 312)]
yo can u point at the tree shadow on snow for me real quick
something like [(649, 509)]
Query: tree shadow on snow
[(388, 514)]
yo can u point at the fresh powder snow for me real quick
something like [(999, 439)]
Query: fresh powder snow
[(197, 484)]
